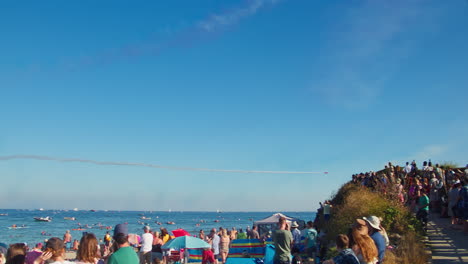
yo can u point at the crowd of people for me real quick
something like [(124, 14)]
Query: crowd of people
[(121, 247), (53, 251), (442, 191), (364, 244)]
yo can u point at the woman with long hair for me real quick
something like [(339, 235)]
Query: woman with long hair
[(88, 250), (399, 191), (16, 254), (165, 235), (413, 193), (362, 243), (224, 245), (55, 250)]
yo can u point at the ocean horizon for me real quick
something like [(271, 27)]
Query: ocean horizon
[(30, 231)]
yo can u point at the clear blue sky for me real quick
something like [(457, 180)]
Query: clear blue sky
[(290, 85)]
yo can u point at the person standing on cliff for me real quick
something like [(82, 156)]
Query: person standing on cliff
[(464, 204), (326, 210), (408, 168), (423, 207), (282, 239)]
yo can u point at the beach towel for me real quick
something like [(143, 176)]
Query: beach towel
[(195, 255), (247, 248), (241, 261), (269, 254)]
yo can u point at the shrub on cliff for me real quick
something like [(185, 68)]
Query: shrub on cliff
[(353, 201)]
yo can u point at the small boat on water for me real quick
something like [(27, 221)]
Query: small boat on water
[(4, 214), (145, 218), (75, 209), (70, 218), (43, 219), (14, 226), (170, 223)]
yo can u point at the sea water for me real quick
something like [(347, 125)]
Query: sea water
[(34, 232)]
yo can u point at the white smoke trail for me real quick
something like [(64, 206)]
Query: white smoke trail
[(233, 16), (114, 163)]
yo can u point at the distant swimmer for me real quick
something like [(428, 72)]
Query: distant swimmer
[(44, 233)]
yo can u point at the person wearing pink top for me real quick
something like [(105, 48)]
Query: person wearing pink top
[(34, 254)]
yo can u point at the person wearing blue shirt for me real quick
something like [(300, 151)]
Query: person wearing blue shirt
[(310, 240), (373, 224), (346, 255)]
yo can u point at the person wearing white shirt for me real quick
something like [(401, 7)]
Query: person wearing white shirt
[(408, 168), (146, 246)]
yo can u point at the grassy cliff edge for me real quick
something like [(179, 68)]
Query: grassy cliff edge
[(353, 201)]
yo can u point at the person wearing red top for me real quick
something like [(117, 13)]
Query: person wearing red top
[(207, 257)]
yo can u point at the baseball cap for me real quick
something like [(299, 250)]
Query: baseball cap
[(121, 229)]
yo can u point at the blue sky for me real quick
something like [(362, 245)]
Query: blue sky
[(287, 85)]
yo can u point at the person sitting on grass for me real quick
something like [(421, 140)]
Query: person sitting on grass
[(346, 255)]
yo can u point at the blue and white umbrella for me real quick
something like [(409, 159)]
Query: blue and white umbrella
[(185, 242)]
